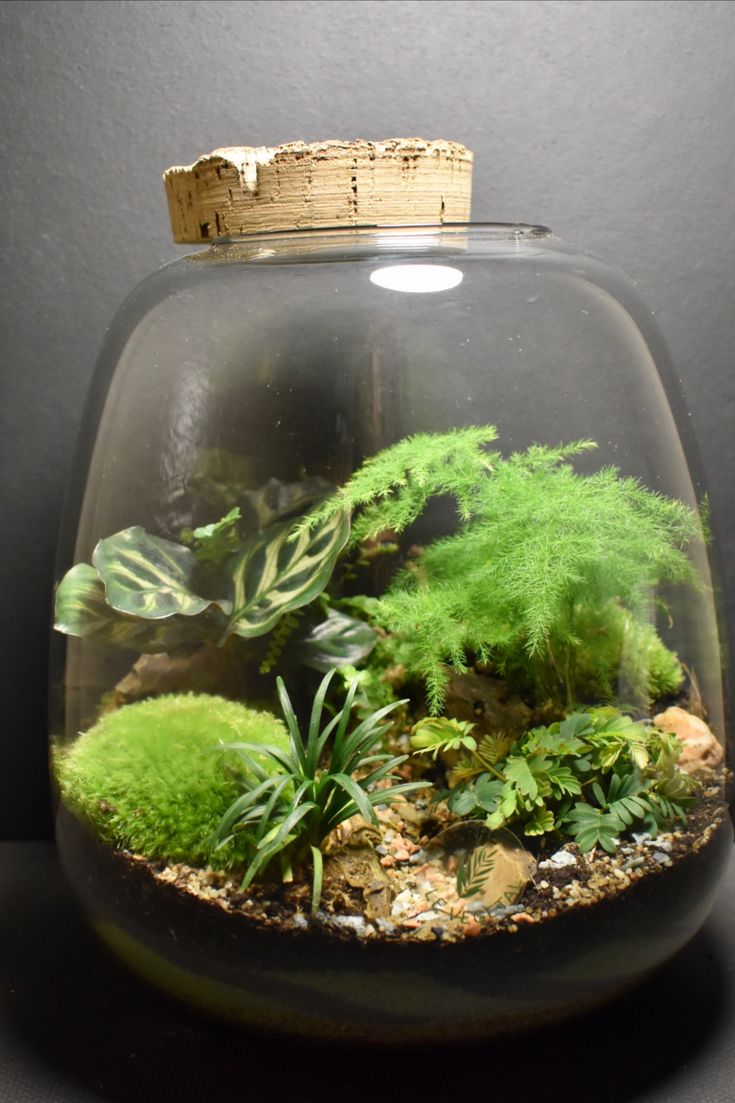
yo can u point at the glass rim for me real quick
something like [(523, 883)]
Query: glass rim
[(495, 230)]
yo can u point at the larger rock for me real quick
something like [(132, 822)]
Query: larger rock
[(702, 751), (485, 701), (492, 867)]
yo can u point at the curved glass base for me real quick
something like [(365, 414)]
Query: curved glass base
[(310, 983)]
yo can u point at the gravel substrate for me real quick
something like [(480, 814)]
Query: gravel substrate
[(403, 893)]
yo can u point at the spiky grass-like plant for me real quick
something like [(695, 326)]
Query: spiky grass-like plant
[(310, 788), (148, 777)]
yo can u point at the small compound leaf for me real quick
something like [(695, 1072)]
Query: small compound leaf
[(488, 792), (461, 801), (518, 771), (540, 822), (215, 543)]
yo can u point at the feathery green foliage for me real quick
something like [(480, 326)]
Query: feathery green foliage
[(393, 487), (549, 576), (310, 787), (151, 778), (592, 776)]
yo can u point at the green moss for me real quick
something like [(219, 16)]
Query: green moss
[(623, 658), (150, 778)]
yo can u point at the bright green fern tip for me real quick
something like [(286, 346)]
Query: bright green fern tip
[(151, 777), (548, 576)]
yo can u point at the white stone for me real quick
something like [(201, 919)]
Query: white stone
[(354, 923), (560, 860)]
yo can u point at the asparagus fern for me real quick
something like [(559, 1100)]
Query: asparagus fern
[(549, 576)]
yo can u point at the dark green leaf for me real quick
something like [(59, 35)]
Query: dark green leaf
[(488, 791), (82, 610), (146, 576), (277, 572), (461, 801), (338, 641)]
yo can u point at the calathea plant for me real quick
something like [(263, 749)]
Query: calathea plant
[(151, 594)]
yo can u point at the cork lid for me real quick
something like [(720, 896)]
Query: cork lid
[(253, 189)]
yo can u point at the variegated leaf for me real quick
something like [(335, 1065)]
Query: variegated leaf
[(279, 570), (149, 577), (338, 641), (82, 610)]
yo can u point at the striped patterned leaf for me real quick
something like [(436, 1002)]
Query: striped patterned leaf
[(149, 577), (337, 641), (280, 570), (82, 610)]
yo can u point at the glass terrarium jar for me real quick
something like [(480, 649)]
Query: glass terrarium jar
[(388, 699)]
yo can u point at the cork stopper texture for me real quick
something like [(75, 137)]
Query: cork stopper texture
[(249, 189)]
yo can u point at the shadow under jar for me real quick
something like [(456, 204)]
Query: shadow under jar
[(388, 694)]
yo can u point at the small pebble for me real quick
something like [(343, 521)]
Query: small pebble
[(300, 920), (559, 860), (661, 858), (354, 923), (503, 910), (476, 907)]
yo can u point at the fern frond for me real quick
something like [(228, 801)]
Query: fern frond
[(394, 486), (474, 870)]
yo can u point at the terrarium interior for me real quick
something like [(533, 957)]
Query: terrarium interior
[(389, 616)]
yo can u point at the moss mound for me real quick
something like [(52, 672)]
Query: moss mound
[(150, 777)]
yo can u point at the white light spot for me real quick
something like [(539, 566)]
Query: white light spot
[(417, 278)]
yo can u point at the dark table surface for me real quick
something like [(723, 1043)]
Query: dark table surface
[(75, 1027)]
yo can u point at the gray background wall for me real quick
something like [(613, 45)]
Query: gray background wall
[(610, 121)]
